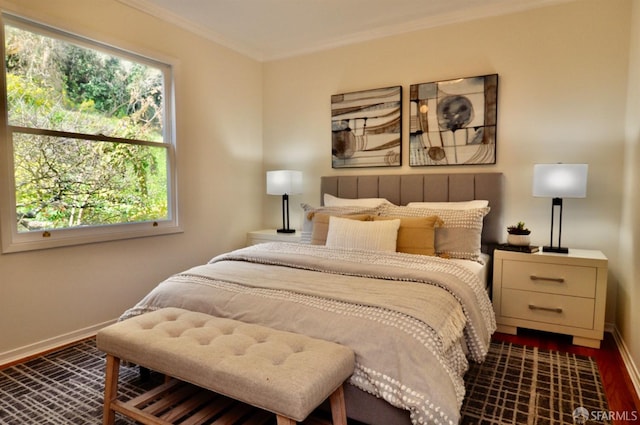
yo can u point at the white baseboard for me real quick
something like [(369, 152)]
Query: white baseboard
[(40, 347), (632, 369)]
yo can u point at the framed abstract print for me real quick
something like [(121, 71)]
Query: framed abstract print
[(453, 122), (366, 128)]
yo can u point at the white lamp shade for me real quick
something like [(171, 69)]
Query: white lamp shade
[(560, 180), (283, 182)]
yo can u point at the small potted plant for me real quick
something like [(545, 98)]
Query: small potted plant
[(518, 235)]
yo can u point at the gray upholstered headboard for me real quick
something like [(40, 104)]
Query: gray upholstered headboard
[(405, 188)]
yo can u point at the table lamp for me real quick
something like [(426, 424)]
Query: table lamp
[(285, 183), (558, 181)]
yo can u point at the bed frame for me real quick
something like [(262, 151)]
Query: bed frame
[(400, 190)]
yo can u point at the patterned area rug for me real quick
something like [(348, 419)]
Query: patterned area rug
[(65, 387), (515, 385), (524, 385)]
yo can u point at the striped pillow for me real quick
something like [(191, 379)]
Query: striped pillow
[(369, 235)]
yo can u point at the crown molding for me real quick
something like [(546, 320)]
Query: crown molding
[(468, 14)]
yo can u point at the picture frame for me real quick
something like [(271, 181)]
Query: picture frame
[(453, 122), (366, 128)]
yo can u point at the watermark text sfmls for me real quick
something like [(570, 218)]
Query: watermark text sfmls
[(582, 415), (624, 415)]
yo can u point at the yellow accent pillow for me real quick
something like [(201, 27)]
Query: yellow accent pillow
[(416, 234), (321, 225)]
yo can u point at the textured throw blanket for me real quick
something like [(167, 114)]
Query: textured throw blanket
[(408, 318)]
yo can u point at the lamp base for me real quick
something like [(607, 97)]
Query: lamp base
[(556, 249), (286, 230)]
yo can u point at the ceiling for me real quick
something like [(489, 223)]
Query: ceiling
[(273, 29)]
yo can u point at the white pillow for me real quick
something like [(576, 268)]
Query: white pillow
[(334, 201), (462, 205), (370, 235)]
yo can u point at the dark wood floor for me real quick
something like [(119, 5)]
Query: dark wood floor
[(620, 392)]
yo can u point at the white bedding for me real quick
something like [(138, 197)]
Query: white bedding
[(412, 320), (480, 269)]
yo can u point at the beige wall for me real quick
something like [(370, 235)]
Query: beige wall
[(562, 98), (51, 293), (628, 317)]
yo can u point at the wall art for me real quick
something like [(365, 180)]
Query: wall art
[(366, 128), (453, 122)]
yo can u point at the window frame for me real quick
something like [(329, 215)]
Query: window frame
[(14, 241)]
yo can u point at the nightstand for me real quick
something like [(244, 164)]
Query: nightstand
[(271, 235), (562, 293)]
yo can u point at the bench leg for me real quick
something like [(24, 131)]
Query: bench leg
[(338, 407), (110, 389), (283, 420)]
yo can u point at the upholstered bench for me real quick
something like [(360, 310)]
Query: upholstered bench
[(281, 372)]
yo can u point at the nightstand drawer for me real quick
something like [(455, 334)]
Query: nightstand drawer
[(548, 308), (577, 281)]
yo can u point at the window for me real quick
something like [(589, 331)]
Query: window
[(88, 152)]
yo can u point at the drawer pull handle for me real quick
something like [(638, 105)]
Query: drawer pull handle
[(550, 279), (551, 309)]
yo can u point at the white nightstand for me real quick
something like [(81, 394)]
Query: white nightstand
[(563, 293), (271, 235)]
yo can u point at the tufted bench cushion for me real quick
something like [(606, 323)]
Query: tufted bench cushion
[(282, 372)]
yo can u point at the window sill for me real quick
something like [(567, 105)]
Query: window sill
[(33, 241)]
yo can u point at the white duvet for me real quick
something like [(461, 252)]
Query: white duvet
[(411, 320)]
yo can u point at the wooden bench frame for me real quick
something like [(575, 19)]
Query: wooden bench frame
[(147, 406)]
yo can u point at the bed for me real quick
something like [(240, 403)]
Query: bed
[(414, 320)]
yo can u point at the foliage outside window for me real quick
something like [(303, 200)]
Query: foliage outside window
[(88, 150)]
